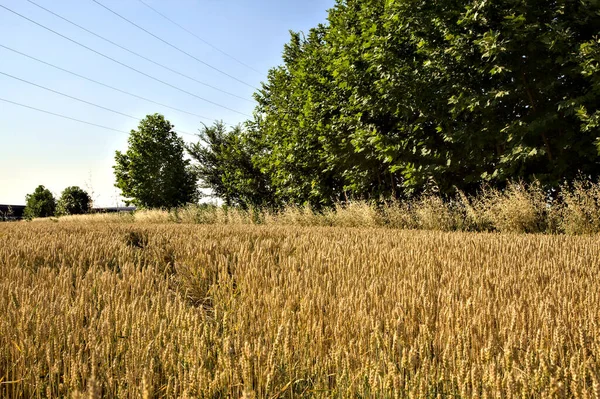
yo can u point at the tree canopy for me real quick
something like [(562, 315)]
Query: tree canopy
[(74, 201), (224, 165), (153, 172), (39, 204), (391, 96)]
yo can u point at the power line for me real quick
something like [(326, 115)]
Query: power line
[(66, 95), (172, 45), (81, 100), (199, 38), (106, 85), (137, 54), (68, 117), (120, 63), (63, 116)]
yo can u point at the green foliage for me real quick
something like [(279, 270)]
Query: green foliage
[(39, 204), (153, 172), (74, 201), (392, 96), (224, 165)]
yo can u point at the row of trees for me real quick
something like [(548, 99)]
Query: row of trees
[(154, 172), (41, 203), (390, 97)]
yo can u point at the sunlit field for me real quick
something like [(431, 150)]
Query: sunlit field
[(181, 310)]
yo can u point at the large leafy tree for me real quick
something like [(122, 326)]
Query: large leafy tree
[(224, 165), (74, 201), (392, 95), (518, 81), (295, 143), (39, 204), (153, 172)]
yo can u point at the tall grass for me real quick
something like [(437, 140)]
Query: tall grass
[(581, 211), (519, 208), (153, 310)]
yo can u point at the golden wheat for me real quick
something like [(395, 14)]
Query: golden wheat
[(181, 310)]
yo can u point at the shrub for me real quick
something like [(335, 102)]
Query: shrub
[(39, 204), (74, 201)]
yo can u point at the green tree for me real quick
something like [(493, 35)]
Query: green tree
[(153, 173), (74, 201), (39, 204), (224, 165), (517, 71), (297, 144), (392, 95)]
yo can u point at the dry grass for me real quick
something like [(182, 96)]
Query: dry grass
[(519, 208), (165, 310), (581, 211)]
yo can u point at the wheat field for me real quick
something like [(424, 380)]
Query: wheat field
[(123, 310)]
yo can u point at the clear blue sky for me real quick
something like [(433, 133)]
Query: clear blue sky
[(36, 148)]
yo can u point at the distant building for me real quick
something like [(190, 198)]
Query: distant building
[(114, 209), (15, 212), (11, 212)]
